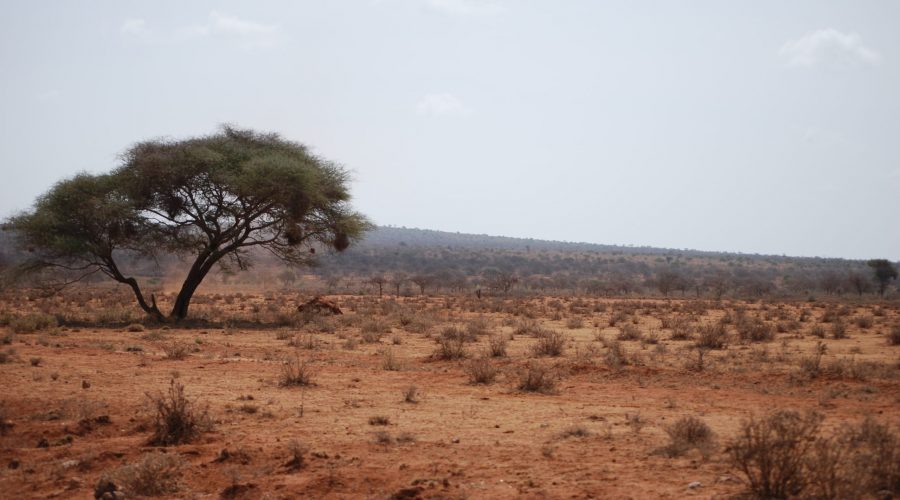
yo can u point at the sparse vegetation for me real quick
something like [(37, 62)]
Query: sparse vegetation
[(155, 474), (176, 419)]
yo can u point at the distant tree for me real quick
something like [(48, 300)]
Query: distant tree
[(719, 284), (667, 280), (287, 277), (397, 281), (831, 283), (210, 199), (884, 272), (422, 281), (859, 282), (499, 279), (379, 281)]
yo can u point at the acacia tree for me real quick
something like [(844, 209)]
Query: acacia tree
[(884, 272), (210, 199)]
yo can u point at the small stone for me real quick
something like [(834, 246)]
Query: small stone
[(694, 485), (455, 440)]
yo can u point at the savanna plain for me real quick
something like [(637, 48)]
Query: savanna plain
[(447, 396)]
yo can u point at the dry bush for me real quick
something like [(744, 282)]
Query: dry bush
[(176, 419), (894, 336), (296, 372), (689, 433), (838, 330), (629, 332), (411, 394), (450, 349), (379, 420), (812, 366), (497, 346), (156, 474), (527, 326), (536, 377), (453, 332), (754, 330), (574, 323), (549, 343), (477, 327), (296, 455), (864, 322), (389, 361), (5, 423), (817, 331), (615, 357), (681, 329), (372, 331), (577, 431), (481, 371), (32, 322), (712, 336), (135, 328), (176, 350), (7, 356), (771, 451)]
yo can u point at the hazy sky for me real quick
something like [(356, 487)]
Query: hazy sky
[(754, 126)]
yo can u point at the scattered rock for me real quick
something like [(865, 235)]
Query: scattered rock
[(694, 485)]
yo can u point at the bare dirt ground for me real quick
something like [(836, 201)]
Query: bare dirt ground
[(77, 400)]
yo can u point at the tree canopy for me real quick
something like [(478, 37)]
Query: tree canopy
[(884, 272), (210, 199)]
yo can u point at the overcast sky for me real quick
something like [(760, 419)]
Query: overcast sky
[(754, 126)]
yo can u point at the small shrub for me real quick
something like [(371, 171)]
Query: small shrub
[(771, 452), (481, 371), (615, 357), (689, 433), (754, 330), (497, 346), (450, 349), (389, 361), (628, 332), (7, 356), (379, 420), (411, 394), (156, 474), (838, 330), (711, 336), (177, 420), (135, 328), (864, 322), (894, 336), (574, 323), (176, 350), (296, 455), (537, 378), (577, 431), (31, 323), (817, 331), (550, 343), (35, 361), (635, 421), (296, 372), (812, 366), (477, 327)]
